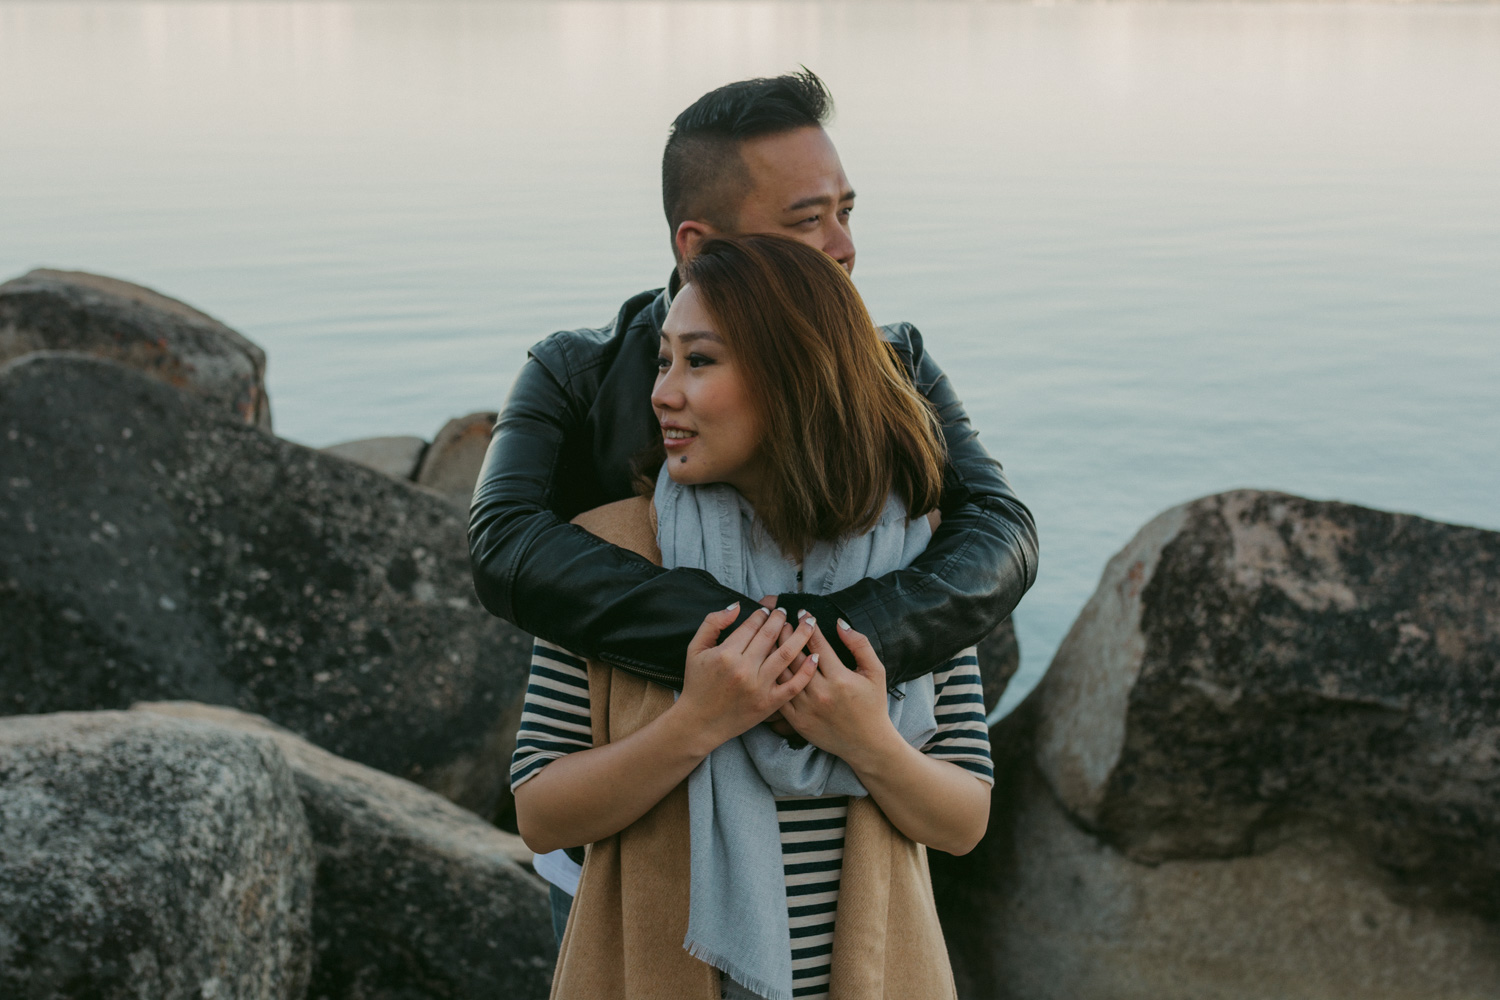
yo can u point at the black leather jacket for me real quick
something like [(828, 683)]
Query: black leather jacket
[(578, 415)]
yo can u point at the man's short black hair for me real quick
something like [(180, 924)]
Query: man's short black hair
[(702, 174)]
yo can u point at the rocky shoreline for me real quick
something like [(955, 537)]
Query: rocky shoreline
[(256, 725)]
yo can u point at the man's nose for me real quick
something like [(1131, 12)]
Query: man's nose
[(840, 245)]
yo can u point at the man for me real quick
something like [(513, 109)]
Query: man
[(748, 157)]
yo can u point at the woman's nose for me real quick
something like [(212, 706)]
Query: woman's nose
[(665, 395)]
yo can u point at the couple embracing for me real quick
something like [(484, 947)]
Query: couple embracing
[(757, 540)]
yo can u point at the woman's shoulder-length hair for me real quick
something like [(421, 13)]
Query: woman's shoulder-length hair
[(843, 425)]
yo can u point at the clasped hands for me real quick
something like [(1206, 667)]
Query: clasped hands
[(768, 666)]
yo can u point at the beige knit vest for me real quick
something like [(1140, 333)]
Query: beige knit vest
[(625, 932)]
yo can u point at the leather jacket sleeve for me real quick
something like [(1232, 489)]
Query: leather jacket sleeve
[(555, 580), (979, 564)]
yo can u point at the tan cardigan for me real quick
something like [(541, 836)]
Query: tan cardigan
[(629, 919)]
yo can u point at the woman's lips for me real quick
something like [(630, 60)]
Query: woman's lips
[(676, 437)]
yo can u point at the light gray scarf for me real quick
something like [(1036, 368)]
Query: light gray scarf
[(737, 914)]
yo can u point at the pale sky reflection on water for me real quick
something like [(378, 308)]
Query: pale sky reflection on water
[(1162, 249)]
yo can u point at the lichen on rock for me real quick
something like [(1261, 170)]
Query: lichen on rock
[(142, 856)]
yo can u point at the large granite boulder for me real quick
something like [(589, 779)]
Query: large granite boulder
[(1253, 659), (1264, 762), (1044, 910), (416, 898), (451, 463), (108, 318), (142, 856), (152, 547)]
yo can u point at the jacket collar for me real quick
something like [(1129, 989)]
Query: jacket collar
[(655, 312)]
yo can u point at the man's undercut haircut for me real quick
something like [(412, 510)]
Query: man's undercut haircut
[(702, 174)]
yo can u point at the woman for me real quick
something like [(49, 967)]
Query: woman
[(794, 450)]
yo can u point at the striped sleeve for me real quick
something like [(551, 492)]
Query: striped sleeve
[(555, 714), (962, 736)]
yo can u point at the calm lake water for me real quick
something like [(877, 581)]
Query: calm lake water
[(1163, 250)]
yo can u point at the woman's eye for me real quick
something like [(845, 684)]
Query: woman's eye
[(663, 362), (699, 360)]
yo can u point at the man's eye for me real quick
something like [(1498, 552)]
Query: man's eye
[(845, 211), (811, 220)]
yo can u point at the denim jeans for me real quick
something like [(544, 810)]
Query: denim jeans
[(561, 904)]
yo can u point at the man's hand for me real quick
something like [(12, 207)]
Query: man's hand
[(732, 685), (777, 721), (843, 711)]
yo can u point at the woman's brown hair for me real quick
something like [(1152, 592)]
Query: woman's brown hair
[(843, 425)]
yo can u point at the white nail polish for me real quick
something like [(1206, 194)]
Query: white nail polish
[(843, 625), (802, 613), (814, 659), (733, 606), (810, 620)]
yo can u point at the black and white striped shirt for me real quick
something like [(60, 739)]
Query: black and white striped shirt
[(555, 722)]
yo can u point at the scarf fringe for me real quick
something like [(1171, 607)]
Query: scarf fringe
[(757, 986)]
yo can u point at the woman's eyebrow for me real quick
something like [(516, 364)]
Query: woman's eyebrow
[(692, 335)]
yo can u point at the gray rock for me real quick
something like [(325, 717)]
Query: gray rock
[(151, 859), (416, 898), (108, 318), (1261, 764), (1046, 911), (451, 464), (397, 457), (153, 548), (1257, 659)]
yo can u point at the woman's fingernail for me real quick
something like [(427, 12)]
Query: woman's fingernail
[(802, 613), (843, 625), (814, 659), (733, 606), (810, 620), (765, 610)]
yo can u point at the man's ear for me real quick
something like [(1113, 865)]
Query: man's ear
[(690, 236)]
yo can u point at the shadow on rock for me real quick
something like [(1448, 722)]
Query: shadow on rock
[(415, 897), (154, 547)]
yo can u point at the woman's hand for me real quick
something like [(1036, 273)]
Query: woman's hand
[(586, 796), (933, 802), (733, 685), (840, 710)]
